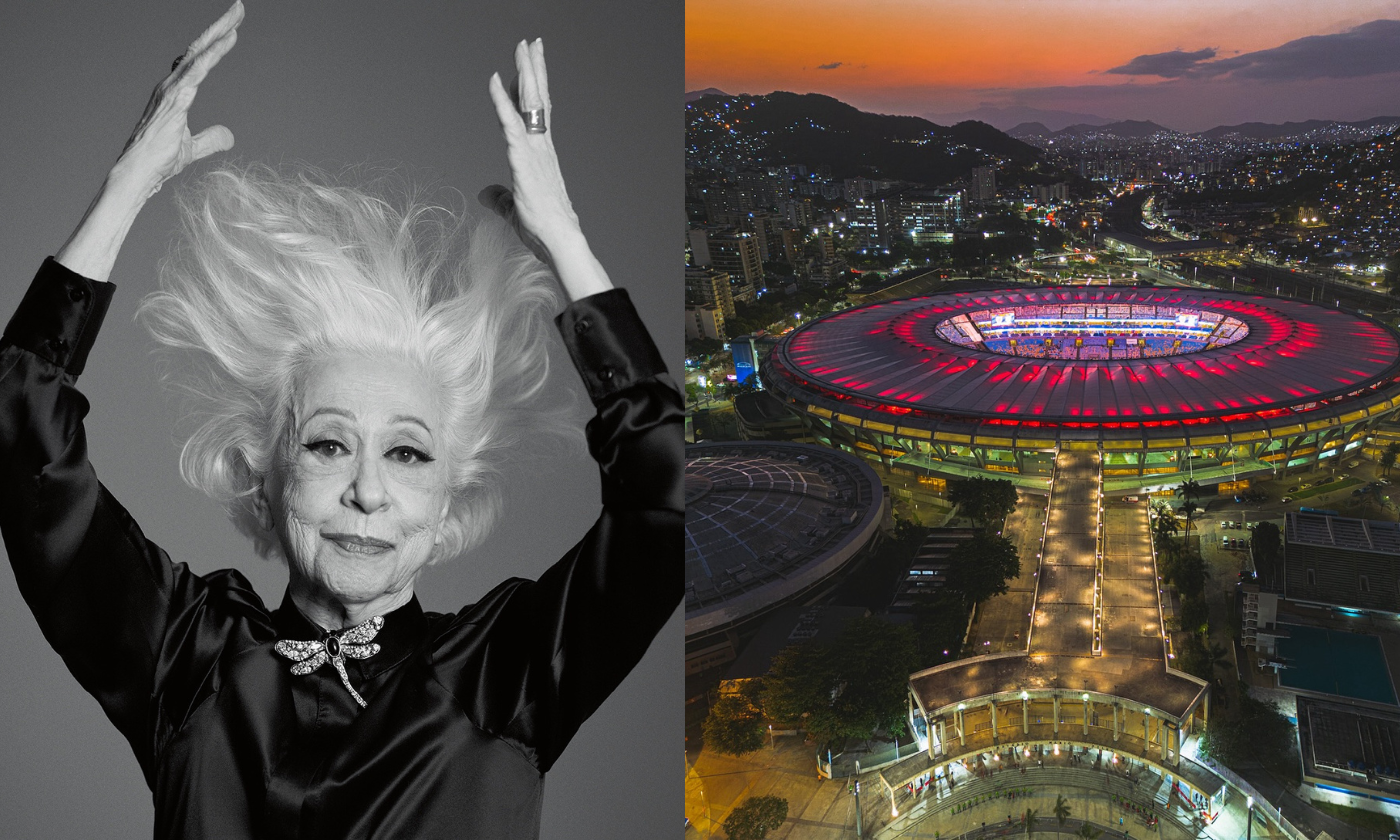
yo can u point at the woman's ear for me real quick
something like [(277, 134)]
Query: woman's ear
[(442, 519), (262, 507)]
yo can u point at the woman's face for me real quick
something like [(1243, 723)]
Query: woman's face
[(360, 494)]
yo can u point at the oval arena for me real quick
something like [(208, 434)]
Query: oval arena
[(1165, 383)]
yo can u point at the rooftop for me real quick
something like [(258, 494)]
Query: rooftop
[(890, 362), (767, 522), (1350, 744)]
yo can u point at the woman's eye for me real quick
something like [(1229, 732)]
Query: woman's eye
[(328, 447), (408, 455)]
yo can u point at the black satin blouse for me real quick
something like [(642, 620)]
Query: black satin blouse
[(465, 711)]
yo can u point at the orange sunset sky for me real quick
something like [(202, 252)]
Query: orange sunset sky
[(1188, 64)]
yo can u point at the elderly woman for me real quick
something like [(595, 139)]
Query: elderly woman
[(359, 372)]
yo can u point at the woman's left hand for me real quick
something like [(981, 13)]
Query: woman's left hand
[(537, 204)]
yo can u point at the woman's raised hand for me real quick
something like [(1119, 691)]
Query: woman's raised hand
[(159, 148), (161, 145), (537, 203)]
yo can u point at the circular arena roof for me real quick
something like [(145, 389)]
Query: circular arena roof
[(767, 523), (1090, 358)]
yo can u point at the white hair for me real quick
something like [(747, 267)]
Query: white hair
[(275, 271)]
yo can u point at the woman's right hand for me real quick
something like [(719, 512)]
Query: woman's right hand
[(160, 147)]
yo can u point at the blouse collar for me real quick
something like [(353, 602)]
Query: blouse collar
[(403, 632)]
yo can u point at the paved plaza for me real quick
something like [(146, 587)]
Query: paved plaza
[(822, 809)]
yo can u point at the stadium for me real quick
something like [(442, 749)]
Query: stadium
[(768, 525), (1166, 383)]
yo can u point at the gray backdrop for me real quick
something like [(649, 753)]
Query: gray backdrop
[(333, 82)]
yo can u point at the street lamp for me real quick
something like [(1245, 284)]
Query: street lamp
[(1249, 816), (858, 828)]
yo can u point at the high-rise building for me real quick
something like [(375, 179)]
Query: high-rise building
[(706, 287), (766, 228), (930, 215), (984, 184), (704, 322), (858, 188), (737, 254), (1048, 193), (800, 213), (865, 229)]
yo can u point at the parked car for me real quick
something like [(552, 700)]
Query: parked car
[(1286, 499)]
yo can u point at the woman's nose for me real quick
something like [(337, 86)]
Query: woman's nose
[(366, 492)]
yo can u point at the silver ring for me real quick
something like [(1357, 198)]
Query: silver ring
[(534, 121), (176, 63)]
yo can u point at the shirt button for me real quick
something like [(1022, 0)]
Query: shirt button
[(605, 373), (59, 345), (77, 293), (582, 326)]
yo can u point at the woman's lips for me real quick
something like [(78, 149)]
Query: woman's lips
[(356, 544)]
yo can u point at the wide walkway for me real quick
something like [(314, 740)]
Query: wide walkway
[(1066, 602), (1003, 623)]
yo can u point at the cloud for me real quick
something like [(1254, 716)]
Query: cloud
[(832, 66), (1367, 50), (1168, 65)]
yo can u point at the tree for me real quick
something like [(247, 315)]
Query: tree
[(1188, 510), (986, 501), (1164, 528), (1392, 273), (874, 659), (756, 817), (1061, 810), (981, 567), (1195, 613), (939, 623), (1266, 542), (1088, 832), (799, 682), (1188, 570), (734, 726), (1201, 661), (1388, 456), (1029, 819), (847, 688), (702, 348), (1251, 729), (1190, 491)]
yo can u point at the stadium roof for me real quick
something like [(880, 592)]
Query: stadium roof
[(766, 523), (888, 361)]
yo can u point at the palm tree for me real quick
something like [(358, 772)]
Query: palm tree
[(1088, 832), (1189, 489), (1219, 657), (1188, 509), (1388, 456), (1061, 810), (1030, 820), (1164, 528)]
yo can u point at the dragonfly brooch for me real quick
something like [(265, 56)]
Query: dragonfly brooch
[(356, 643)]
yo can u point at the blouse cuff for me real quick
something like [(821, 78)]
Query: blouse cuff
[(59, 317), (609, 344)]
